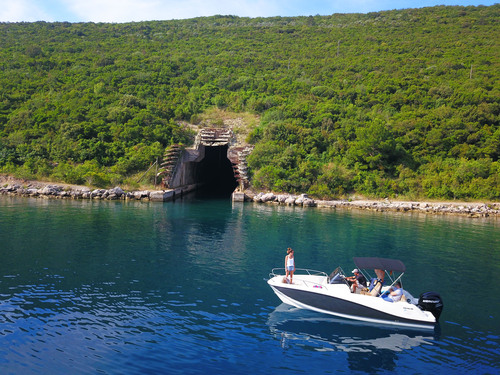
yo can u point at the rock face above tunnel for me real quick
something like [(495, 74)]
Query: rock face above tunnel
[(213, 137), (216, 162)]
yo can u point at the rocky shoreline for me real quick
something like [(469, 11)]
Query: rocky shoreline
[(441, 208), (58, 191), (35, 189)]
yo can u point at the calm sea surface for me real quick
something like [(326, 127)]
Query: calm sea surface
[(150, 288)]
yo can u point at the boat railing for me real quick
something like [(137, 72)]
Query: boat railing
[(298, 271), (302, 271)]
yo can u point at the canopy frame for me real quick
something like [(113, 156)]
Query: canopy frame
[(386, 265)]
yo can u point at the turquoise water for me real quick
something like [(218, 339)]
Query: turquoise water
[(149, 288)]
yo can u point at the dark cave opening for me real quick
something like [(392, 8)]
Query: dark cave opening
[(215, 173)]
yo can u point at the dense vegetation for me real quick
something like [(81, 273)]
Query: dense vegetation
[(398, 103)]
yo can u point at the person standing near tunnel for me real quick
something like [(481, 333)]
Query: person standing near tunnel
[(289, 264)]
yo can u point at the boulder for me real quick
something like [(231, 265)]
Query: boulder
[(258, 198), (97, 193), (117, 191), (141, 194), (308, 202), (32, 192), (281, 198), (49, 190), (269, 197), (300, 200), (76, 194)]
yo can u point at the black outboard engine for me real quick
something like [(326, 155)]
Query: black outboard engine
[(432, 302)]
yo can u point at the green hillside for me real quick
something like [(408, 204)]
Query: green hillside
[(398, 103)]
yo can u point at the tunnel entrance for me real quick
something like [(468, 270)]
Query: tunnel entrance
[(215, 167), (215, 173)]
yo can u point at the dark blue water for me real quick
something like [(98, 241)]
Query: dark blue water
[(151, 288)]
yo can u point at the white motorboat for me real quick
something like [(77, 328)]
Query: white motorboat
[(331, 294)]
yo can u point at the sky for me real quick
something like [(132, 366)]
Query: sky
[(119, 11)]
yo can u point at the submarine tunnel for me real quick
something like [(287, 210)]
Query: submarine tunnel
[(215, 173)]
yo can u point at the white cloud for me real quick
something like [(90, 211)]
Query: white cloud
[(21, 10), (134, 10), (141, 10), (145, 10)]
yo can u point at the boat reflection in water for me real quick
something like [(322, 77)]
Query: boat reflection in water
[(368, 346)]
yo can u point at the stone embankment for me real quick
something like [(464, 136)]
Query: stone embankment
[(44, 190), (57, 191), (441, 208)]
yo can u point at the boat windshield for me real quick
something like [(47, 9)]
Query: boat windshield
[(337, 276)]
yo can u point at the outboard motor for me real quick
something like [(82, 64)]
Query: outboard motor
[(432, 302)]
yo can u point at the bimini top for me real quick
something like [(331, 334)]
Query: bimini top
[(380, 263)]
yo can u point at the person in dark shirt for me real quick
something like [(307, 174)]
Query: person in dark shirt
[(358, 280)]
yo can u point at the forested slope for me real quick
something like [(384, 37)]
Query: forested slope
[(396, 103)]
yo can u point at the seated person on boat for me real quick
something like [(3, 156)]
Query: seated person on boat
[(394, 293), (358, 281)]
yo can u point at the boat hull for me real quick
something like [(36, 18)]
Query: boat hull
[(338, 301)]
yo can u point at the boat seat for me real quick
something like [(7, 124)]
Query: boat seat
[(376, 289)]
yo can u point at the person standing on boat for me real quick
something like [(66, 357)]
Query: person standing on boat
[(289, 264)]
